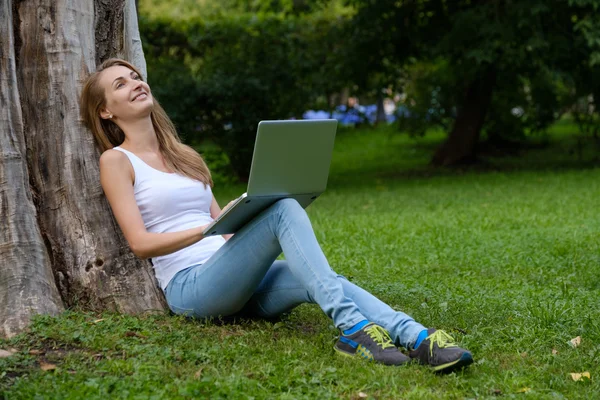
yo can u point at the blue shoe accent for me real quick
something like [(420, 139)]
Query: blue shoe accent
[(422, 336), (356, 327), (348, 341)]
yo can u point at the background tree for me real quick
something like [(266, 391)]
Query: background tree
[(59, 245), (490, 55), (584, 64)]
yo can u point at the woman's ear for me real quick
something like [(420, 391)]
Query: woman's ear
[(105, 114)]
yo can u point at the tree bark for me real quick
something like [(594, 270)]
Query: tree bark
[(26, 283), (56, 44), (133, 45), (461, 145)]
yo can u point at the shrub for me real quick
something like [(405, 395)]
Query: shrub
[(217, 79)]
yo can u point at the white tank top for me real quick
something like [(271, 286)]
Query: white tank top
[(170, 202)]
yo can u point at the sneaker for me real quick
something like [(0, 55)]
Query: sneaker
[(372, 343), (440, 352)]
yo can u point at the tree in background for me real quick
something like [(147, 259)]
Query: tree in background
[(475, 62), (585, 70), (59, 244), (496, 69)]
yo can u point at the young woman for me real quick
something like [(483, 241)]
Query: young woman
[(160, 193)]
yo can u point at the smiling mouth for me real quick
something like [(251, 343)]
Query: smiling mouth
[(143, 95)]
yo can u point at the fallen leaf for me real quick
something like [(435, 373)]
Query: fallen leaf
[(575, 341), (554, 352), (47, 366), (98, 320), (362, 395), (524, 354), (36, 352), (5, 353), (524, 390), (497, 392), (198, 373), (579, 376)]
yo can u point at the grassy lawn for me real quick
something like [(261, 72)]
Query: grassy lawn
[(506, 258)]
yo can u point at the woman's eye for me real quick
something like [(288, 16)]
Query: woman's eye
[(137, 77), (120, 84)]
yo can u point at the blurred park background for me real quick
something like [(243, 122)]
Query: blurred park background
[(492, 75), (463, 191)]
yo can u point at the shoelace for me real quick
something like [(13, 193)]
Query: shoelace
[(380, 336), (442, 339)]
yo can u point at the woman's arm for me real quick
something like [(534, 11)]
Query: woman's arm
[(215, 211), (116, 177)]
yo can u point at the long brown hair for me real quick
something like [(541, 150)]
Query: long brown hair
[(178, 156)]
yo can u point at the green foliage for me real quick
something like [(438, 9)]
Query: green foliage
[(210, 9), (220, 67), (527, 105), (431, 94), (586, 70), (507, 260), (588, 25), (519, 105), (544, 55), (219, 78)]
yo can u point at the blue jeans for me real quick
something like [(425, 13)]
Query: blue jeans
[(243, 276)]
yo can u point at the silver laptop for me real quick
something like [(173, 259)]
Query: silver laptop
[(291, 160)]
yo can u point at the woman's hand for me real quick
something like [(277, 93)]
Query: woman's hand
[(228, 236), (215, 212), (226, 208)]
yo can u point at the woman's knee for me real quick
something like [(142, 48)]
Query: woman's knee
[(289, 208), (289, 203)]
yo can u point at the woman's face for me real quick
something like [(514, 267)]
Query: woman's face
[(127, 96)]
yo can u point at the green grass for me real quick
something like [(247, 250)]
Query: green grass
[(506, 258)]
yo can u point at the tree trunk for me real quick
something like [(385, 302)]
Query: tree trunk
[(57, 43), (133, 45), (26, 282), (461, 145)]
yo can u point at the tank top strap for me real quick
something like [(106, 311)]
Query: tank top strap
[(138, 165), (126, 152), (135, 161)]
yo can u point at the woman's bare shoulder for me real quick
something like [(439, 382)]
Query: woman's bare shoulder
[(115, 163), (113, 157)]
